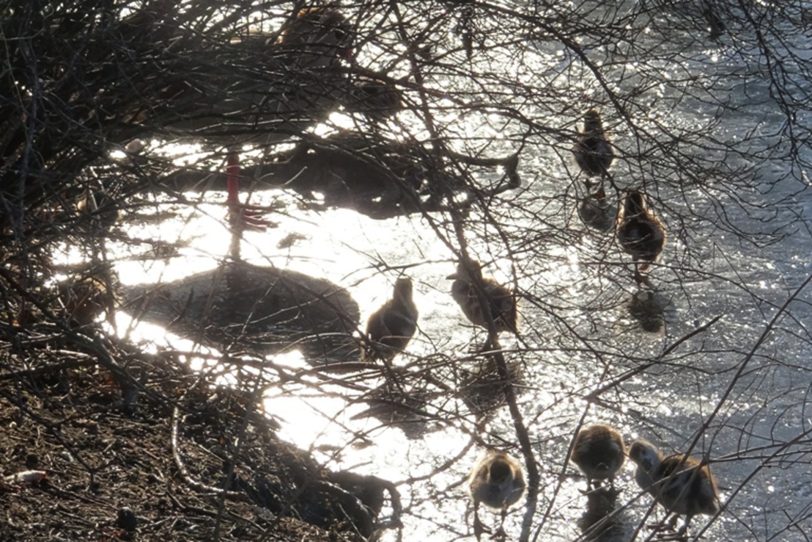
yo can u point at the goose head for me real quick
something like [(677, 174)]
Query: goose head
[(634, 204), (592, 122), (403, 290)]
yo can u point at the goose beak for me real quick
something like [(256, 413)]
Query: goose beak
[(453, 276)]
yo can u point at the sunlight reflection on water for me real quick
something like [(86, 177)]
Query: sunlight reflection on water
[(566, 350), (341, 245)]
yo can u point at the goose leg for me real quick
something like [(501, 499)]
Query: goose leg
[(478, 527), (500, 532), (639, 277), (243, 216), (682, 533), (613, 491)]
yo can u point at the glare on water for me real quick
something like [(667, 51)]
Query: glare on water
[(577, 334)]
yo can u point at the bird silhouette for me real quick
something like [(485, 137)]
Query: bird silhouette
[(640, 233), (500, 301), (391, 327), (599, 452), (592, 150)]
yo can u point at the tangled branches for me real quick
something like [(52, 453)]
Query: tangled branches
[(383, 139)]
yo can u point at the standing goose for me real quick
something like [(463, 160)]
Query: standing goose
[(248, 90), (640, 233), (599, 452), (391, 327), (592, 150), (501, 301), (497, 482), (680, 483), (310, 47)]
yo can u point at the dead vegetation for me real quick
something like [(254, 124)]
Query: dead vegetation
[(463, 113)]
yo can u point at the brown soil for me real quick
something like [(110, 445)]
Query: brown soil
[(137, 447)]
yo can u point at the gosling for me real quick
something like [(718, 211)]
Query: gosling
[(680, 483), (599, 452), (592, 150), (497, 482), (501, 303), (640, 233), (392, 326)]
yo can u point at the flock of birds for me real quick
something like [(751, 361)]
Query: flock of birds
[(639, 231), (680, 483), (482, 299)]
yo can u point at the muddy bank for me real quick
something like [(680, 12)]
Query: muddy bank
[(137, 447)]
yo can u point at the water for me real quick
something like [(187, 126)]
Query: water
[(702, 132)]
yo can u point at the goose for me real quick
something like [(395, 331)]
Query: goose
[(640, 233), (599, 452), (592, 150), (312, 43), (683, 485), (497, 482), (391, 327), (501, 300), (250, 90)]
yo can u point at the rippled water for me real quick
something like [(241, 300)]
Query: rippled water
[(577, 333)]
